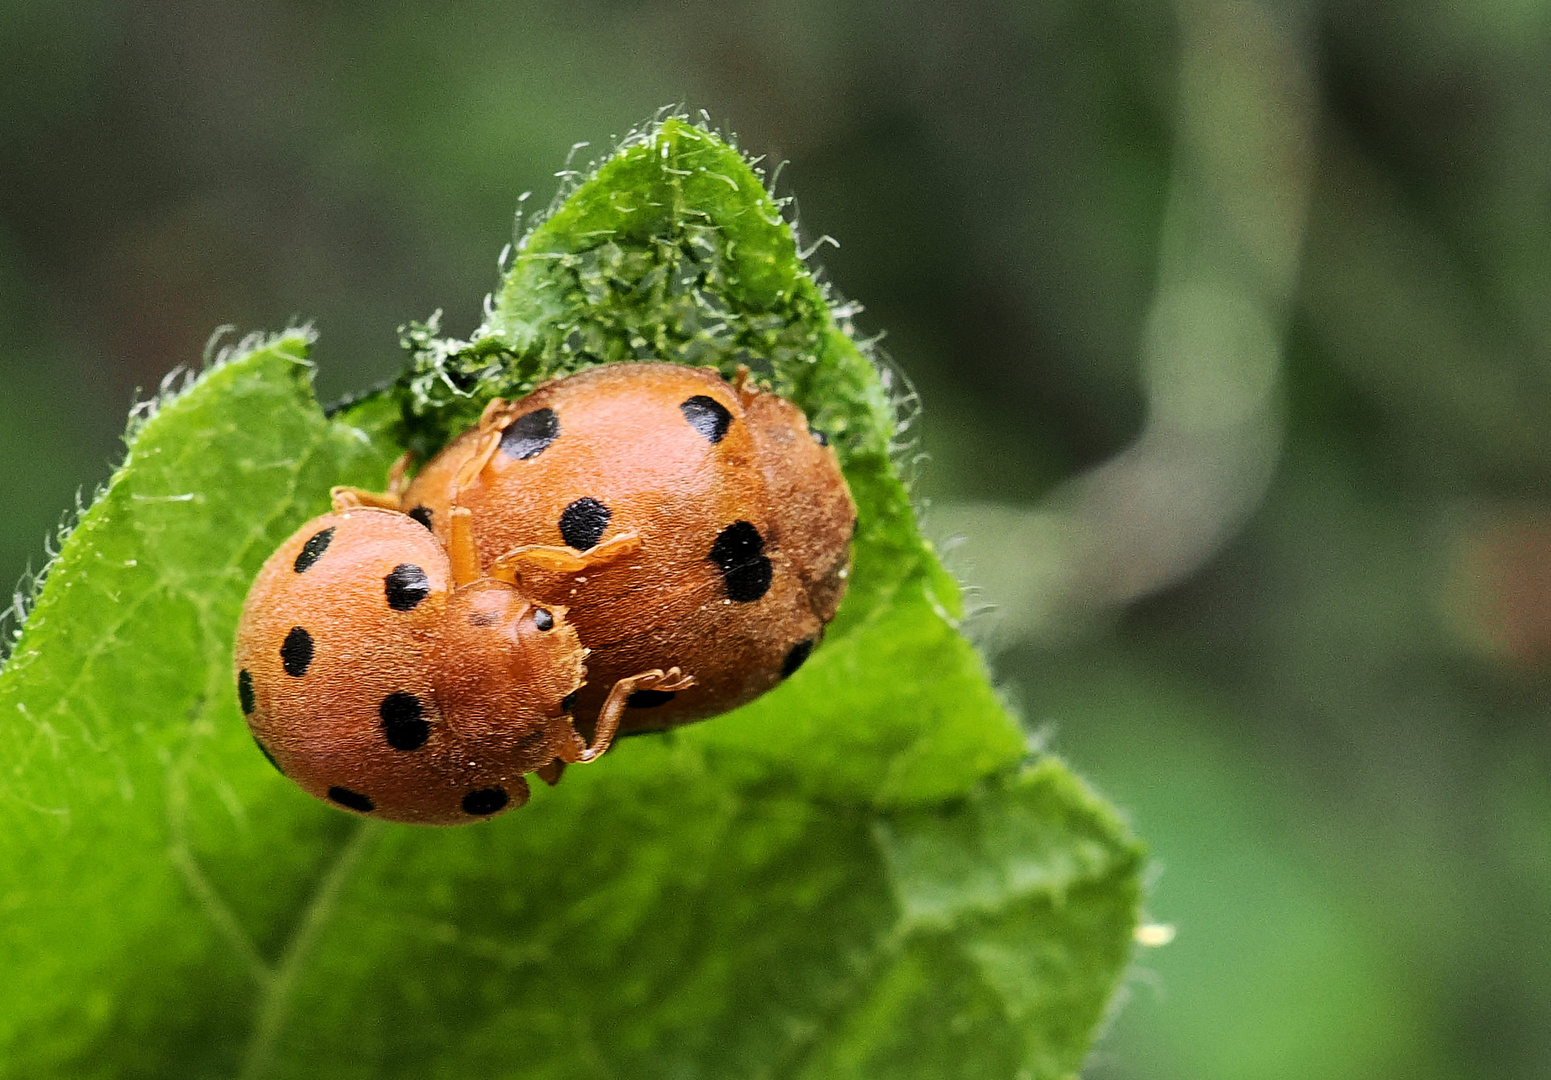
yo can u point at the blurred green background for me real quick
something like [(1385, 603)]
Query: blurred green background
[(1232, 325)]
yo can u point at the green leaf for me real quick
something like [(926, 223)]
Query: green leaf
[(855, 876)]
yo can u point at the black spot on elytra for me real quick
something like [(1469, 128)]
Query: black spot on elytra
[(296, 652), (649, 699), (245, 691), (739, 552), (818, 436), (583, 523), (543, 619), (353, 799), (568, 702), (707, 416), (795, 659), (313, 550), (406, 586), (423, 515), (530, 433), (485, 801), (268, 756), (403, 721)]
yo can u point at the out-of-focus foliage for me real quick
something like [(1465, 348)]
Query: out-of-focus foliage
[(1334, 730)]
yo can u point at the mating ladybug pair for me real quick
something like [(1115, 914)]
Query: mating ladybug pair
[(624, 550)]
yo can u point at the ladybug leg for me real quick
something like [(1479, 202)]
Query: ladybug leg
[(552, 772), (475, 463), (561, 560), (398, 476), (349, 498), (497, 416), (614, 707), (745, 385), (462, 547), (572, 747)]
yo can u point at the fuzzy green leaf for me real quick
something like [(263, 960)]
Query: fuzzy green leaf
[(852, 877)]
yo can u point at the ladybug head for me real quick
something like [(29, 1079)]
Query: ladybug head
[(508, 655)]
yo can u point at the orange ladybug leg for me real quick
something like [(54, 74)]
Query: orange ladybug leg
[(562, 560), (497, 414), (349, 498), (472, 465), (398, 476), (462, 547), (745, 386), (614, 707), (496, 418)]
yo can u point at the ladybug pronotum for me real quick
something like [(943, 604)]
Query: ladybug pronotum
[(743, 519), (393, 676)]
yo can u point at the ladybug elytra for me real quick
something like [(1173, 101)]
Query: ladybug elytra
[(743, 518)]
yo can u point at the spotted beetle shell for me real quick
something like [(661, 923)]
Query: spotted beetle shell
[(372, 683), (744, 519)]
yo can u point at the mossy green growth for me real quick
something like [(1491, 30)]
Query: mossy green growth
[(864, 873), (671, 250)]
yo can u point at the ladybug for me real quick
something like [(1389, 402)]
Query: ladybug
[(388, 674), (743, 518)]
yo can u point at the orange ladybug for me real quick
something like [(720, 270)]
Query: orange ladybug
[(743, 518), (389, 675)]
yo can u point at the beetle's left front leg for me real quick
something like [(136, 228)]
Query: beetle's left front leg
[(348, 498)]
